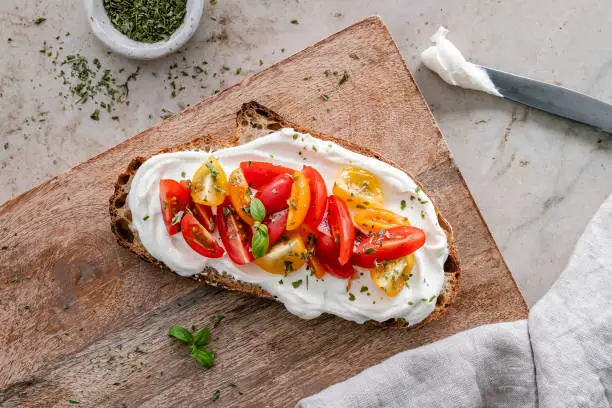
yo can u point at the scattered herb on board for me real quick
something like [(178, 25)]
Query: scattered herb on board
[(363, 289), (196, 343), (39, 20), (403, 205), (216, 395), (95, 115), (344, 78), (73, 402), (297, 283), (165, 114), (325, 97), (295, 22), (351, 297), (236, 388), (147, 21)]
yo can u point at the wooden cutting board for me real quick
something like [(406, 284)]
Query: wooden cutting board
[(85, 320)]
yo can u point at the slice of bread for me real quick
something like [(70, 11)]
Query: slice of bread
[(253, 121)]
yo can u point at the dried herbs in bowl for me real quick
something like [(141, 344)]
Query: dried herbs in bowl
[(147, 21)]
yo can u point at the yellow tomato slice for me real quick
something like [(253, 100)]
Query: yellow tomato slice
[(288, 254), (299, 201), (239, 195), (391, 276), (375, 219), (358, 188), (209, 183)]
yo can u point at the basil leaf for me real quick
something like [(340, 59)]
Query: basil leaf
[(258, 211), (202, 337), (205, 357), (180, 333), (260, 242)]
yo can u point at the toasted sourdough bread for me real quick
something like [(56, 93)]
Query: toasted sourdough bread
[(254, 120)]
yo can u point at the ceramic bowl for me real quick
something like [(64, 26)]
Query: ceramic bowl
[(119, 43)]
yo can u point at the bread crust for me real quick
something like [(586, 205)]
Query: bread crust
[(252, 121)]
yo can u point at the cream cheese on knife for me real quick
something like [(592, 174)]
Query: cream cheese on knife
[(446, 60)]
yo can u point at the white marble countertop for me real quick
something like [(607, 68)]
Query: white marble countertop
[(536, 178)]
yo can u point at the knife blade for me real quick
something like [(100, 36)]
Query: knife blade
[(554, 99)]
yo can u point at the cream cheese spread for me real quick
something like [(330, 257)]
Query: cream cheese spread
[(313, 297)]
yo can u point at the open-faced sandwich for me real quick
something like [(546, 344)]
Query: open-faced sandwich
[(317, 223)]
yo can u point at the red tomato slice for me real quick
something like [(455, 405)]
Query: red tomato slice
[(173, 198), (394, 243), (326, 251), (198, 238), (235, 234), (318, 196), (259, 173), (204, 215), (186, 184), (277, 224), (324, 225), (342, 228), (345, 271), (275, 194)]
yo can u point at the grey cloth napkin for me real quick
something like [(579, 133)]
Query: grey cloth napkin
[(561, 356)]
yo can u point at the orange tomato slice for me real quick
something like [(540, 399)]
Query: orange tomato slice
[(239, 195), (299, 201)]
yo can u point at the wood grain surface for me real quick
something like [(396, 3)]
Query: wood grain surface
[(85, 320)]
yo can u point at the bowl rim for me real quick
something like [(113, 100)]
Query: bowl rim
[(118, 42)]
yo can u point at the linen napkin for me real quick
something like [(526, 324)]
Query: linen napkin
[(561, 356)]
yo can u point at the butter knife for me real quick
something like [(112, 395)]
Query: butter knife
[(554, 99)]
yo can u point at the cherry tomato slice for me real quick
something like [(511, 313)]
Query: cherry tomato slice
[(209, 183), (392, 244), (235, 234), (324, 225), (359, 188), (275, 194), (277, 224), (318, 196), (186, 184), (204, 215), (299, 201), (326, 251), (284, 257), (198, 238), (342, 228), (375, 219), (173, 198), (258, 173), (391, 276), (239, 195), (318, 268)]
